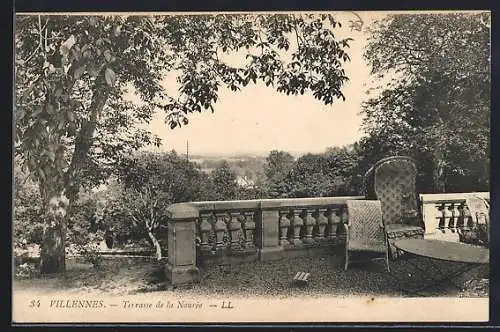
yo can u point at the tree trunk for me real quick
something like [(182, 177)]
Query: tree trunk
[(438, 177), (53, 249), (156, 245)]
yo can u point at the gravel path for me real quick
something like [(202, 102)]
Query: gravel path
[(327, 278)]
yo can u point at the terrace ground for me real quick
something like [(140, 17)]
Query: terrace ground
[(126, 276)]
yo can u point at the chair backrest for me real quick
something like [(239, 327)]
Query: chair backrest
[(366, 227), (392, 181), (479, 209)]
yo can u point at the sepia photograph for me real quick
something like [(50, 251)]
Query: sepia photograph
[(251, 167)]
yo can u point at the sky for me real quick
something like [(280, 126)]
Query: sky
[(258, 119)]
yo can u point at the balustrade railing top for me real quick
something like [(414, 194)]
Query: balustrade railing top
[(446, 214), (272, 203)]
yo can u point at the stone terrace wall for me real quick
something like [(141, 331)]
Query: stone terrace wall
[(236, 231)]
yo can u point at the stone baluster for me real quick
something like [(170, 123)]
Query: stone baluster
[(309, 223), (284, 225), (241, 219), (441, 216), (220, 230), (329, 229), (333, 223), (297, 224), (468, 221), (448, 215), (456, 216), (321, 222), (249, 228), (461, 212), (234, 228), (205, 228)]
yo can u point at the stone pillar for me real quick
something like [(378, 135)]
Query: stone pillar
[(181, 266), (321, 221), (249, 228), (297, 224), (269, 235), (220, 229), (234, 228), (205, 228), (284, 224), (309, 223)]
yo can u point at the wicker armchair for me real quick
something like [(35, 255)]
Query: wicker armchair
[(479, 209), (478, 232), (365, 232), (392, 181)]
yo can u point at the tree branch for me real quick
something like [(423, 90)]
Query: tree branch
[(83, 140), (297, 37)]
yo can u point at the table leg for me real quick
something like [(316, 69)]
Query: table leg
[(447, 277)]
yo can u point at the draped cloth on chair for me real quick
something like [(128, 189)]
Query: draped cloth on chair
[(365, 232), (479, 209), (392, 181)]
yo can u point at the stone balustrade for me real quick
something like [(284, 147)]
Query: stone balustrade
[(226, 232), (445, 214), (235, 231)]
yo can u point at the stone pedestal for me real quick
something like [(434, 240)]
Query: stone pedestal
[(268, 236), (183, 275), (181, 266)]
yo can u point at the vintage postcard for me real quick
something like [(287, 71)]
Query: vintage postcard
[(263, 167)]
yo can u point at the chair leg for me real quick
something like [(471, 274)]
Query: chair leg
[(346, 260), (388, 248), (346, 248), (387, 260)]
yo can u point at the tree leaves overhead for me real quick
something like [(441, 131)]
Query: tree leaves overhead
[(110, 77), (70, 68), (438, 101), (200, 43)]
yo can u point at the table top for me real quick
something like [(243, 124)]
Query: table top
[(445, 250)]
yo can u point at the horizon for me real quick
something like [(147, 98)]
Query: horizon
[(242, 153)]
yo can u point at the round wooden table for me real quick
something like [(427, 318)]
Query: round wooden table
[(466, 256)]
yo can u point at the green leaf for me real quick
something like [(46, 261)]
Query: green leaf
[(71, 116), (67, 45), (78, 72), (20, 114), (110, 76), (41, 173), (51, 155), (85, 47), (92, 21), (93, 71), (117, 30), (49, 108), (107, 55)]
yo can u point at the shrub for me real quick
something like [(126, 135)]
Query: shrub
[(86, 245), (28, 215), (478, 235)]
